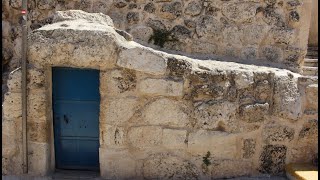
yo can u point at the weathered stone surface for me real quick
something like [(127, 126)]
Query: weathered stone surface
[(193, 8), (10, 138), (254, 33), (113, 110), (166, 166), (174, 139), (286, 98), (38, 158), (112, 136), (240, 12), (277, 133), (231, 168), (273, 54), (162, 87), (171, 10), (142, 60), (309, 129), (172, 113), (37, 105), (272, 159), (312, 96), (254, 112), (12, 106), (249, 148), (220, 144), (116, 164), (145, 136), (118, 82), (142, 33), (214, 115), (38, 131), (243, 80)]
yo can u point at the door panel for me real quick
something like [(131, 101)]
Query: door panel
[(76, 103)]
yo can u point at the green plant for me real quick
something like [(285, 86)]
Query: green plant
[(206, 159), (160, 37)]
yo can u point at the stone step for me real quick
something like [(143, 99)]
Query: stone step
[(312, 52), (311, 62), (310, 71), (301, 172)]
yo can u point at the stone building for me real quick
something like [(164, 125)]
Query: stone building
[(216, 94)]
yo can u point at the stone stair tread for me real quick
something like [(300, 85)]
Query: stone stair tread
[(302, 171), (310, 60)]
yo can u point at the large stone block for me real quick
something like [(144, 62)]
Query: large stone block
[(112, 136), (38, 158), (37, 105), (11, 106), (312, 96), (220, 144), (286, 98), (145, 136), (254, 112), (174, 139), (309, 130), (118, 82), (38, 132), (249, 148), (243, 79), (112, 111), (166, 166), (231, 168), (10, 135), (272, 159), (162, 87), (116, 164), (142, 60), (277, 133), (212, 114), (166, 112)]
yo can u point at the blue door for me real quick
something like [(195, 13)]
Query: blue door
[(76, 102)]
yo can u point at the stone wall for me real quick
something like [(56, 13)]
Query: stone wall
[(184, 118), (258, 31)]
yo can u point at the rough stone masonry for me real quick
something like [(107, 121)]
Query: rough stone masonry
[(252, 119), (262, 31)]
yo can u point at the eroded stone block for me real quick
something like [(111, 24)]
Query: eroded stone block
[(39, 158), (277, 133), (162, 87), (142, 60), (116, 164), (112, 136), (248, 147), (145, 136), (174, 139), (210, 114), (231, 168), (166, 112), (112, 111), (254, 112), (272, 159), (166, 166), (220, 144)]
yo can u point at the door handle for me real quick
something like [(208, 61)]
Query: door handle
[(65, 118)]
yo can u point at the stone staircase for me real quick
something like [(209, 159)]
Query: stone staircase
[(310, 67)]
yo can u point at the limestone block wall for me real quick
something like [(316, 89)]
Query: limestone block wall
[(259, 31), (162, 115)]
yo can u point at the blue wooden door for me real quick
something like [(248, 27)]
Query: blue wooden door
[(76, 102)]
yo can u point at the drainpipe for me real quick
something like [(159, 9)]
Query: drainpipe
[(24, 85)]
